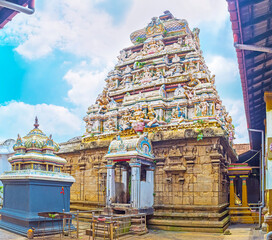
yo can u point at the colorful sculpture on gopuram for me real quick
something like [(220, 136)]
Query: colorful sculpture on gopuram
[(35, 186), (169, 138), (161, 82)]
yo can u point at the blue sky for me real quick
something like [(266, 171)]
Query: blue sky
[(53, 63)]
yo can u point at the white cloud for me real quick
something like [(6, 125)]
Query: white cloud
[(85, 86), (18, 117), (237, 112), (213, 12), (85, 30), (89, 32), (225, 69)]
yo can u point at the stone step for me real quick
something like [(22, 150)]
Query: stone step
[(98, 233), (190, 215), (138, 228), (188, 223), (137, 220)]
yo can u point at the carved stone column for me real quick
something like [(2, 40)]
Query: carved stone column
[(150, 179), (110, 194), (135, 184), (125, 182)]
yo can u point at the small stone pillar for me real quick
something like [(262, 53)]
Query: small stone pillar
[(125, 182), (110, 195), (135, 184), (150, 180), (244, 190), (232, 193)]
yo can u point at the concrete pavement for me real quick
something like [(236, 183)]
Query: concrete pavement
[(238, 232)]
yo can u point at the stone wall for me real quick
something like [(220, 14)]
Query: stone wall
[(241, 148), (190, 177)]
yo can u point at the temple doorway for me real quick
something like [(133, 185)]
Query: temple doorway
[(130, 174)]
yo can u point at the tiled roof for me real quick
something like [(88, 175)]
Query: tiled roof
[(252, 24), (6, 14)]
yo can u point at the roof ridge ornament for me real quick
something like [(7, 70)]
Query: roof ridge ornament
[(36, 125)]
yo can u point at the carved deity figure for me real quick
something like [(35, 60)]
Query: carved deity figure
[(122, 56), (103, 100), (154, 27), (192, 67), (218, 109), (177, 71), (147, 76), (189, 41), (152, 116), (127, 70), (110, 125), (89, 126), (175, 46), (125, 120), (196, 35), (136, 78), (175, 59), (162, 91), (204, 107), (159, 75), (179, 90), (153, 46), (190, 93), (178, 114), (110, 82), (139, 114)]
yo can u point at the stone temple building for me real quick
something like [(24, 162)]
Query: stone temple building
[(158, 139)]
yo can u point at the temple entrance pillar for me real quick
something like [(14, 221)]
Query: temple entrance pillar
[(232, 192), (135, 184), (110, 185), (240, 211), (244, 190)]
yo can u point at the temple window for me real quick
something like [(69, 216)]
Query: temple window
[(50, 168), (39, 167), (24, 166)]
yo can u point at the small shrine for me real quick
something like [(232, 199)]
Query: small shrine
[(162, 88), (35, 185), (240, 211), (134, 188)]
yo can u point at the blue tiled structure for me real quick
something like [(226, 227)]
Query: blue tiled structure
[(35, 184)]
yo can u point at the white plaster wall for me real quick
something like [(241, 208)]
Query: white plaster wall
[(147, 190), (269, 162), (4, 166)]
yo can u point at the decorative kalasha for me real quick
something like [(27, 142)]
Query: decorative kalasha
[(35, 184), (161, 81)]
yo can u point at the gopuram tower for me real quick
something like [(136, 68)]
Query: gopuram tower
[(158, 139)]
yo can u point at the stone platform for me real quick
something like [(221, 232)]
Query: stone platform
[(238, 232), (190, 218)]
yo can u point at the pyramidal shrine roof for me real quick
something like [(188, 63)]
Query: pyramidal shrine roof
[(160, 83)]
